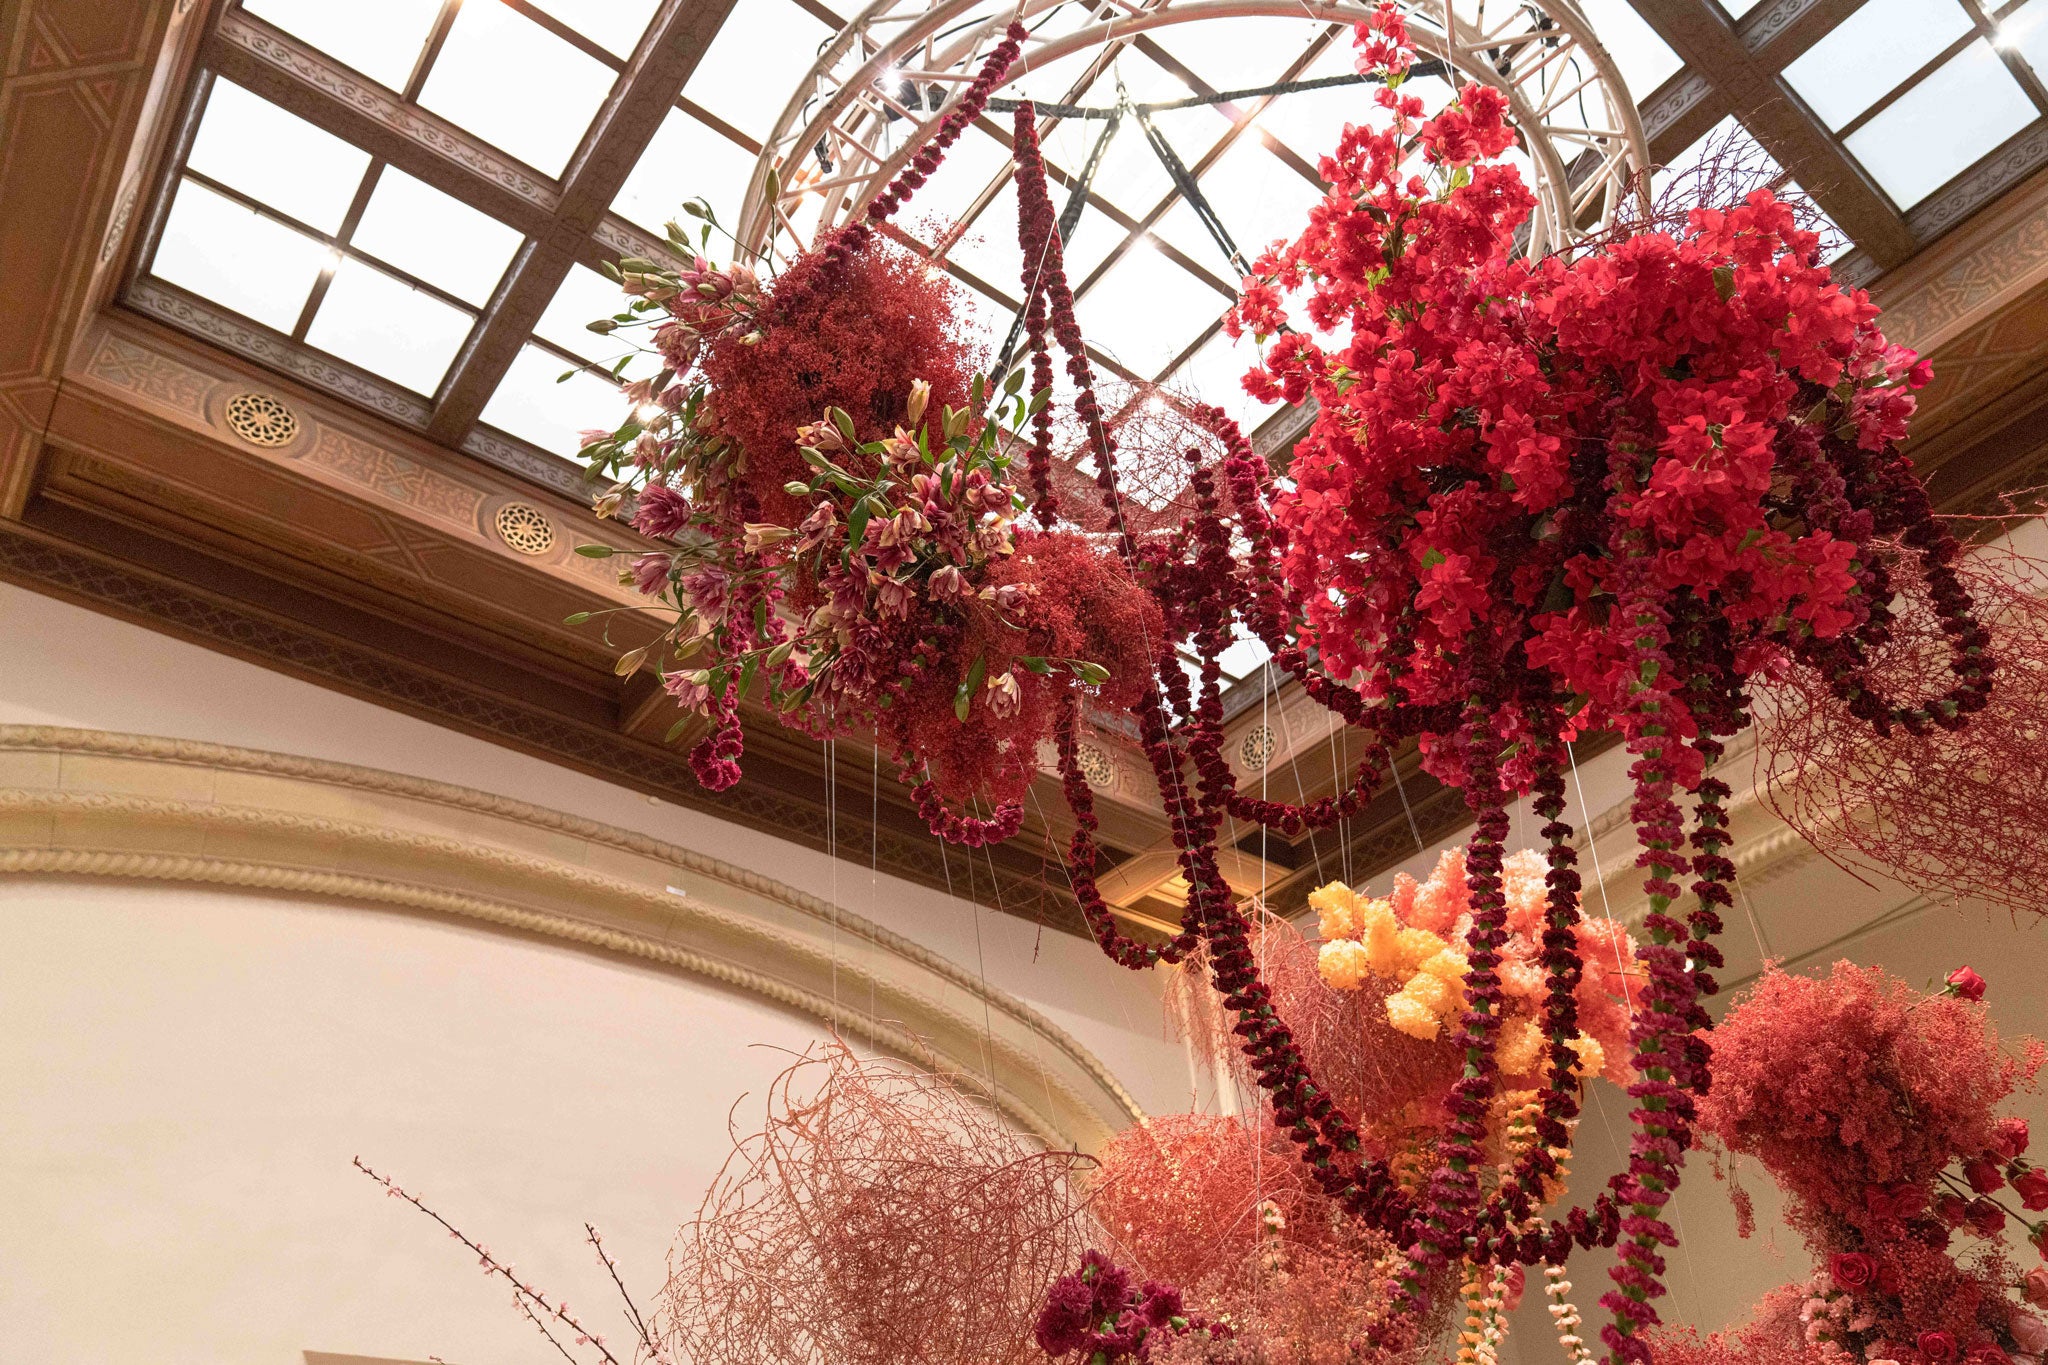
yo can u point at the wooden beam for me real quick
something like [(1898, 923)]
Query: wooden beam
[(1751, 84), (81, 83), (668, 53)]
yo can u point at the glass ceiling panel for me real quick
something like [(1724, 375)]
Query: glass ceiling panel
[(1863, 58), (249, 144), (989, 248), (387, 327), (1937, 129), (236, 257), (435, 237), (1146, 309), (1234, 54), (2025, 31), (1646, 61), (1258, 198), (529, 403), (753, 65), (516, 85), (382, 39), (614, 25), (1215, 374), (1737, 8), (583, 298), (686, 160)]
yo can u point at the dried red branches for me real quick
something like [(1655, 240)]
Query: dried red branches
[(879, 1217), (1957, 811)]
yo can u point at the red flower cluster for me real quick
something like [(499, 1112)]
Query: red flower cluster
[(1095, 1312)]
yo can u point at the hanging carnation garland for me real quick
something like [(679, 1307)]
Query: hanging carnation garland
[(1604, 489)]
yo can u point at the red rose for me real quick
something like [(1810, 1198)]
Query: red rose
[(1982, 1173), (1987, 1354), (2009, 1139), (2039, 1237), (1901, 1200), (1937, 1348), (1852, 1270), (1965, 983), (2034, 1288), (2032, 1188), (1986, 1218), (1952, 1209)]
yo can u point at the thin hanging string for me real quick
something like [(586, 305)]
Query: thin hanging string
[(988, 1046), (1628, 994), (874, 868), (995, 891), (1394, 767), (832, 855), (1763, 947)]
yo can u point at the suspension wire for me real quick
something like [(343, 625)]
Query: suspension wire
[(1184, 181)]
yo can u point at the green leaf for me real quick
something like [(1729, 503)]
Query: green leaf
[(1039, 401), (596, 551), (576, 618), (1095, 675), (977, 391), (1034, 663), (747, 672), (857, 525), (1014, 382), (964, 698), (1724, 282), (1432, 557)]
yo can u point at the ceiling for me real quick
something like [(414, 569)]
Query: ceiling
[(389, 217)]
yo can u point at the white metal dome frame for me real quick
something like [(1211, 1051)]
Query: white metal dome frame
[(1542, 54)]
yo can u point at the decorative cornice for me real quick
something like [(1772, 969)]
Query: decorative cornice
[(82, 802)]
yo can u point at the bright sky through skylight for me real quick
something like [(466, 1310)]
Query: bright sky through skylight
[(382, 39), (516, 85)]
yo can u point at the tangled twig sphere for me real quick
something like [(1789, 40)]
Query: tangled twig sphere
[(879, 1217)]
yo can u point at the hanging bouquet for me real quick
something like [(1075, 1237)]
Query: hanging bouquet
[(1875, 1108), (831, 482)]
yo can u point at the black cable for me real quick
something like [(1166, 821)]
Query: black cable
[(1184, 181)]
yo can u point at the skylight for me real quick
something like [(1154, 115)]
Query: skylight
[(383, 39), (516, 85), (388, 268)]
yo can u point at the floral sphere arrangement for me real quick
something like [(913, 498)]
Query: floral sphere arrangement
[(831, 483), (1875, 1108)]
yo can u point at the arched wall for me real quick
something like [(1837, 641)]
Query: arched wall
[(253, 928)]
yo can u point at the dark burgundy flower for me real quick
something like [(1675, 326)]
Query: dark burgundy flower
[(1982, 1173), (1986, 1218), (2009, 1139), (2031, 1186)]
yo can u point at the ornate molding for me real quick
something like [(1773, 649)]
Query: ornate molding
[(1673, 102), (93, 803)]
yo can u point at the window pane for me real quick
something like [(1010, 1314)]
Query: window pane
[(583, 298), (1938, 128), (1146, 310), (614, 25), (374, 320), (236, 257), (685, 160), (1737, 8), (436, 237), (516, 85), (754, 64), (382, 39), (1646, 61), (529, 403), (2026, 31), (1215, 374), (1864, 57), (250, 144)]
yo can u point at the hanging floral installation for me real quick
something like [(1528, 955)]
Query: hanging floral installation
[(1611, 489), (1875, 1109)]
